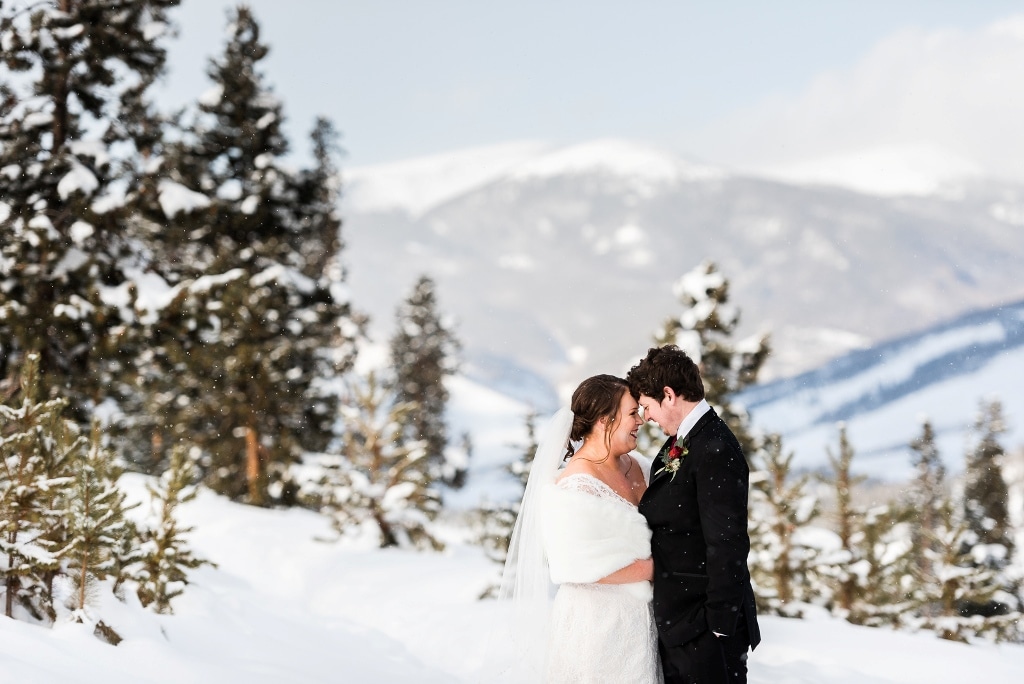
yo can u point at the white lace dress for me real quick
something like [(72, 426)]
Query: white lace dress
[(599, 633)]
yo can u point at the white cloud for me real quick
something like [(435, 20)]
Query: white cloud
[(952, 91)]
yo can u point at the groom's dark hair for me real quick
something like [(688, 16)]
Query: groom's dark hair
[(667, 366)]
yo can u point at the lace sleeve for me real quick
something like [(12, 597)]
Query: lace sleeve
[(586, 484)]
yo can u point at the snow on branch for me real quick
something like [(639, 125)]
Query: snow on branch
[(175, 199)]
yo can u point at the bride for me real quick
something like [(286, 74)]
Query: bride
[(579, 528)]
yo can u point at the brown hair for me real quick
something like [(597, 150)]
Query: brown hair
[(667, 366), (597, 397)]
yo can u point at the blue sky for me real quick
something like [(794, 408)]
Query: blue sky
[(737, 83)]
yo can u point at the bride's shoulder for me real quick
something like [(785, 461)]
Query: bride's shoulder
[(573, 467)]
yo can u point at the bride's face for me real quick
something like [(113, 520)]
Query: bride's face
[(624, 429)]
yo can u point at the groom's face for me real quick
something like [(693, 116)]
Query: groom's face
[(656, 412)]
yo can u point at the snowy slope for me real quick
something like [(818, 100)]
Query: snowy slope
[(917, 169), (283, 607), (883, 393)]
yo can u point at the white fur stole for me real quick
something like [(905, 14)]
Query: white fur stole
[(587, 537)]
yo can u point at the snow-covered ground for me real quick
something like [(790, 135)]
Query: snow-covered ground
[(283, 607)]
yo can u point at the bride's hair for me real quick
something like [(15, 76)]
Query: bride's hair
[(597, 397)]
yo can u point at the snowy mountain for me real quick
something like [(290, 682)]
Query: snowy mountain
[(916, 169), (559, 262), (883, 393)]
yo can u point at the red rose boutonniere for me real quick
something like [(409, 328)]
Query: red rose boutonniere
[(673, 458)]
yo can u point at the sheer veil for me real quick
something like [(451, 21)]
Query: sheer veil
[(525, 579)]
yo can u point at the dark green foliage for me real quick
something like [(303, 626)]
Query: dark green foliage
[(73, 98), (243, 357), (985, 492), (990, 542), (424, 351)]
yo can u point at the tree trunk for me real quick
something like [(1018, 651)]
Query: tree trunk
[(252, 466)]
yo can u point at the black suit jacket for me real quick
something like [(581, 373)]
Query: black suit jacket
[(699, 542)]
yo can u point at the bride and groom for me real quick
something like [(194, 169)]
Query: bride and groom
[(650, 559)]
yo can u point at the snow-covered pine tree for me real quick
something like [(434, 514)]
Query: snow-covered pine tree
[(926, 498), (783, 564), (37, 446), (382, 480), (96, 519), (424, 352), (162, 571), (704, 331), (952, 579), (868, 572), (75, 73), (882, 566), (991, 543), (260, 322), (847, 521), (985, 491)]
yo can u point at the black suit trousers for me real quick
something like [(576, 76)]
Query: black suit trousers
[(707, 659)]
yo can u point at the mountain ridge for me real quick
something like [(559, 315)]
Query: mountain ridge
[(561, 275), (883, 394)]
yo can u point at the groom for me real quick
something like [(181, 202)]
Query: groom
[(696, 507)]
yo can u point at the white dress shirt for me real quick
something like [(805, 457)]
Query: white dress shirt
[(691, 419)]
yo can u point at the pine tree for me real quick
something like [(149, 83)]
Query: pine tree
[(926, 498), (847, 519), (783, 566), (985, 491), (990, 542), (162, 572), (96, 518), (952, 580), (73, 101), (704, 330), (259, 324), (424, 351), (882, 566), (37, 446), (383, 479), (873, 561)]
